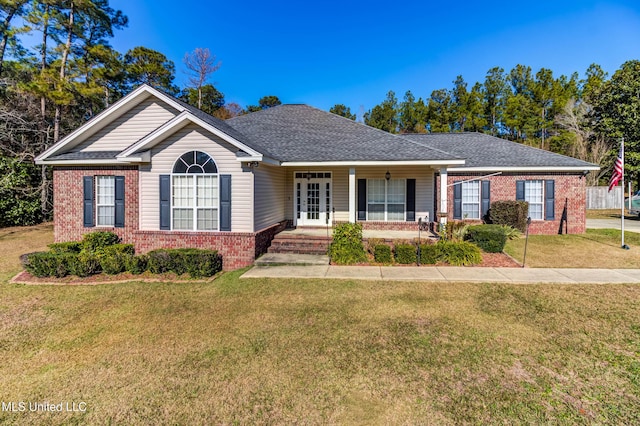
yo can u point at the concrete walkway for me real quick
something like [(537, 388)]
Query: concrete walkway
[(450, 274)]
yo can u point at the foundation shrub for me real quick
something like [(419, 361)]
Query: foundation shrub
[(382, 254), (429, 254), (459, 253), (136, 264), (67, 247), (405, 253), (346, 247), (95, 242), (510, 212), (490, 238)]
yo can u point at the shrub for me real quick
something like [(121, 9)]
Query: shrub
[(454, 231), (68, 247), (347, 247), (511, 232), (113, 263), (490, 238), (95, 242), (461, 253), (405, 253), (84, 264), (45, 264), (372, 243), (429, 254), (382, 254), (159, 262), (510, 212), (196, 262), (126, 249), (136, 264)]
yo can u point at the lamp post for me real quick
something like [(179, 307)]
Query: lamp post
[(526, 240)]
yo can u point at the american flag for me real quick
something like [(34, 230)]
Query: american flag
[(617, 171)]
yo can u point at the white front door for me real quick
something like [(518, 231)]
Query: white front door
[(312, 198)]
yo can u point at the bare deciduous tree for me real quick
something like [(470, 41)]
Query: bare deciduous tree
[(201, 64)]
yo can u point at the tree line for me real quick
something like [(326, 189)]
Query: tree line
[(68, 72), (581, 117)]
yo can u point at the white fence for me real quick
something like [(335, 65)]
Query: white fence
[(599, 197)]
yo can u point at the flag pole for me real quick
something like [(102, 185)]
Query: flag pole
[(624, 246)]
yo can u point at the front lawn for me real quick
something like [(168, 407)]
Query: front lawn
[(320, 351), (597, 248)]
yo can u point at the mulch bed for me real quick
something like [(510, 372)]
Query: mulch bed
[(489, 260)]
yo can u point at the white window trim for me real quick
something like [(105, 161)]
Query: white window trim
[(97, 198), (195, 207), (527, 182), (386, 202), (478, 202)]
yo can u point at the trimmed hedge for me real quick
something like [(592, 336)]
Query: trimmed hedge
[(461, 253), (429, 254), (95, 242), (382, 254), (510, 212), (347, 247), (406, 254), (68, 247), (136, 264), (490, 238), (196, 262)]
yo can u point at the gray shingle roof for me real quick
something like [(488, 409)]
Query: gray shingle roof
[(481, 150), (87, 155), (300, 133)]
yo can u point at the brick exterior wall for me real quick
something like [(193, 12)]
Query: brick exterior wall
[(68, 209), (569, 189), (238, 250)]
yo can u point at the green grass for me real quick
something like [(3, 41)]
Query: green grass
[(286, 351), (597, 248)]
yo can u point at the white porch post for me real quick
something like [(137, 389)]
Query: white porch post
[(443, 213), (352, 194)]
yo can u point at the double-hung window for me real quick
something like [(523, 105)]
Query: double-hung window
[(534, 195), (471, 199), (194, 188), (105, 200), (386, 199)]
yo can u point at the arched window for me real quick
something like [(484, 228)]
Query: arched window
[(194, 193)]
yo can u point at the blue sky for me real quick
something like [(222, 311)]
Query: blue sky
[(353, 52)]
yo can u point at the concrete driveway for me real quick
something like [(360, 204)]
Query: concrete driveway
[(631, 225)]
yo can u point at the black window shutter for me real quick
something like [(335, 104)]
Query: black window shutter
[(225, 202), (485, 197), (119, 195), (549, 200), (457, 201), (88, 215), (520, 190), (165, 202), (362, 199), (411, 200)]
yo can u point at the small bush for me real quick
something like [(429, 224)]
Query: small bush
[(454, 231), (84, 264), (113, 263), (429, 254), (196, 262), (372, 243), (45, 264), (159, 262), (68, 247), (95, 242), (126, 249), (347, 247), (405, 253), (382, 254), (511, 232), (136, 264), (510, 212), (461, 253), (490, 238)]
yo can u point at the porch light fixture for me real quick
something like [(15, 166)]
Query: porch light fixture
[(584, 174), (387, 175)]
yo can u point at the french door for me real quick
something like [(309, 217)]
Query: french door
[(312, 198)]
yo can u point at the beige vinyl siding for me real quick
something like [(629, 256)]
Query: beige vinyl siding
[(164, 155), (423, 175), (130, 127), (270, 196)]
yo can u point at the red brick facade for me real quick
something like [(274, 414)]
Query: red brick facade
[(569, 189), (237, 249)]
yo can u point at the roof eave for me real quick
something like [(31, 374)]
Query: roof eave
[(525, 169), (441, 163)]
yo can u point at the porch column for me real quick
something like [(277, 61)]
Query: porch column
[(443, 214), (352, 194)]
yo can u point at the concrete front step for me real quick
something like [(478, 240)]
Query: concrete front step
[(303, 244), (278, 259)]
